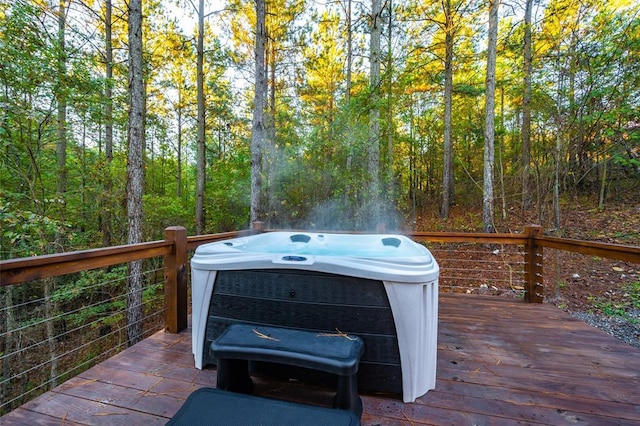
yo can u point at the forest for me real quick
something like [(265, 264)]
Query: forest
[(321, 115), (119, 118)]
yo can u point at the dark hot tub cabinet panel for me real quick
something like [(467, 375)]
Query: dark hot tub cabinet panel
[(383, 288), (313, 301)]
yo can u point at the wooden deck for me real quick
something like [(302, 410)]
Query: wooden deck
[(500, 361)]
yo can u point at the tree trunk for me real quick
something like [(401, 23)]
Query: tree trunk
[(390, 201), (447, 162), (503, 191), (349, 160), (373, 148), (349, 53), (106, 210), (269, 155), (526, 109), (7, 349), (135, 169), (413, 172), (61, 98), (108, 39), (258, 135), (179, 148), (558, 144), (50, 313), (489, 123), (200, 154), (61, 152), (556, 180), (603, 183)]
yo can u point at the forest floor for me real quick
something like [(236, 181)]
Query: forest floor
[(604, 293)]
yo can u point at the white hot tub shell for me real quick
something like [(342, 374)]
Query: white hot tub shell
[(407, 270)]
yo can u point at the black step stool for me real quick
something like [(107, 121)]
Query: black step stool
[(215, 407), (333, 353)]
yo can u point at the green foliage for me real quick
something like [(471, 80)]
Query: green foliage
[(584, 105), (632, 163), (626, 307), (89, 297), (24, 233), (227, 206), (161, 211)]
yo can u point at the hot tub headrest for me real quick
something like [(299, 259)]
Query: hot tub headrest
[(300, 238), (391, 241)]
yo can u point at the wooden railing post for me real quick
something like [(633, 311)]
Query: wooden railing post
[(257, 227), (175, 280), (533, 265)]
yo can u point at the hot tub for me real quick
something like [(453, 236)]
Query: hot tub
[(383, 288)]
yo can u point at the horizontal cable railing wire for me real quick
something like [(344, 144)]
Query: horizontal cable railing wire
[(480, 268), (67, 313), (62, 314), (86, 325)]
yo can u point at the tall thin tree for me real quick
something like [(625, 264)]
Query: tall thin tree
[(447, 161), (349, 52), (61, 202), (200, 154), (135, 169), (106, 211), (61, 98), (373, 146), (258, 134), (268, 149), (390, 128), (489, 122), (526, 108)]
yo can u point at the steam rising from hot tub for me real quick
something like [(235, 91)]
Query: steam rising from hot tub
[(333, 198), (339, 215)]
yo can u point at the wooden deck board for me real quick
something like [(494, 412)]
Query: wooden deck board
[(500, 362)]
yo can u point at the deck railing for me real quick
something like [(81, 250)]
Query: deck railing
[(504, 263), (176, 245)]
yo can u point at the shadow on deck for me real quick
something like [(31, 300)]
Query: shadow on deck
[(500, 361)]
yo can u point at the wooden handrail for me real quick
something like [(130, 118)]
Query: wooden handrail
[(16, 271), (22, 270), (623, 252), (468, 237)]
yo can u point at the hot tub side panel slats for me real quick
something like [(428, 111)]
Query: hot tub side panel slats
[(362, 319), (312, 301), (313, 287)]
